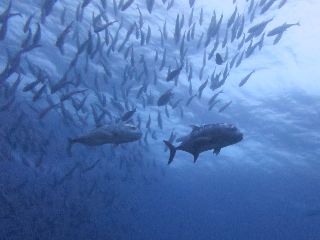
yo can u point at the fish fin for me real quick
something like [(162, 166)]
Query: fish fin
[(216, 151), (194, 127), (195, 156), (172, 151), (69, 146)]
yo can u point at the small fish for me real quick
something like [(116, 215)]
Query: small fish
[(190, 99), (150, 4), (160, 125), (214, 97), (165, 98), (219, 59), (128, 115), (126, 5), (66, 96), (232, 18), (267, 6), (148, 124), (39, 93), (85, 3), (27, 24), (201, 88), (191, 3), (173, 74), (282, 3), (224, 107), (245, 79), (61, 38), (281, 29), (277, 38), (37, 35), (176, 103), (47, 8)]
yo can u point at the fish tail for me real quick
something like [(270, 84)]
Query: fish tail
[(69, 146), (172, 150)]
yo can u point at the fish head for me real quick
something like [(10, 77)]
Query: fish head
[(235, 135), (128, 133)]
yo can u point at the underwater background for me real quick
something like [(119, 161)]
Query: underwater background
[(116, 56)]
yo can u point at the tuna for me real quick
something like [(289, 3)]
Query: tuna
[(204, 138), (107, 134)]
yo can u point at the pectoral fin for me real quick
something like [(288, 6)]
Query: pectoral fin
[(195, 156), (216, 151)]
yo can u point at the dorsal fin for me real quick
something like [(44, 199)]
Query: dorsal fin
[(194, 127)]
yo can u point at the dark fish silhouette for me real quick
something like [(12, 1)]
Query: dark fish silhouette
[(205, 138), (219, 59)]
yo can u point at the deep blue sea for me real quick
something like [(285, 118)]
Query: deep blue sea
[(79, 78)]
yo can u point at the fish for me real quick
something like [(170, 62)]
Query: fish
[(245, 79), (191, 3), (282, 3), (61, 38), (190, 99), (277, 38), (225, 106), (126, 5), (128, 115), (85, 3), (160, 124), (232, 18), (267, 6), (107, 134), (150, 4), (39, 93), (37, 36), (27, 24), (46, 9), (281, 29), (173, 74), (257, 29), (165, 98), (219, 59), (202, 87), (204, 138), (68, 95), (176, 103), (214, 97), (201, 17), (148, 124)]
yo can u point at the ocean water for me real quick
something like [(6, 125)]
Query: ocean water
[(263, 187)]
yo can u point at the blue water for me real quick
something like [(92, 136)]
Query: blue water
[(264, 187)]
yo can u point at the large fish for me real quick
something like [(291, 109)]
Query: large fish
[(107, 134), (206, 137)]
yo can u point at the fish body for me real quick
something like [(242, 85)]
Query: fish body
[(107, 134), (165, 98), (206, 137), (281, 29)]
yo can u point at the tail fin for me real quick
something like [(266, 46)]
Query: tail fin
[(172, 150), (69, 146)]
